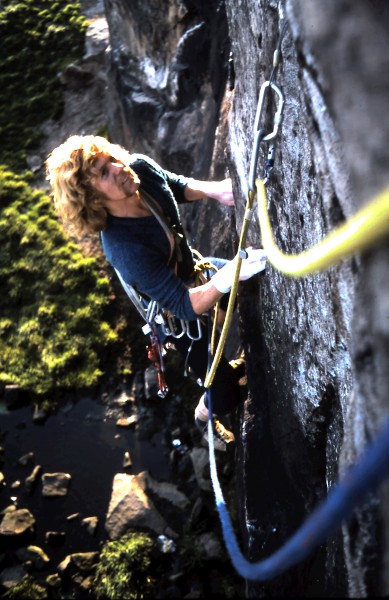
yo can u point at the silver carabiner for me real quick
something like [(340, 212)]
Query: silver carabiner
[(188, 332), (172, 321), (277, 116), (258, 133)]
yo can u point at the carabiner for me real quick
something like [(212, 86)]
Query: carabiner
[(188, 332), (277, 116), (172, 323), (152, 310), (259, 135)]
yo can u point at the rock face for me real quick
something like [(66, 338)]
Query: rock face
[(168, 61), (316, 346), (55, 484)]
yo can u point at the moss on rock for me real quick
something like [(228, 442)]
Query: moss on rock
[(52, 298)]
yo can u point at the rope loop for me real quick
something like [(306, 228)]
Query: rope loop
[(361, 231)]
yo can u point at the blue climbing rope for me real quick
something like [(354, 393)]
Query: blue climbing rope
[(362, 478)]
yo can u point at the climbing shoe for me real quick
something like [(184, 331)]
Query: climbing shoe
[(221, 436)]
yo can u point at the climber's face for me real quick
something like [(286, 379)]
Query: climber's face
[(114, 180)]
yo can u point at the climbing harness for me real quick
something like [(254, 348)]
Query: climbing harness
[(155, 317), (151, 312)]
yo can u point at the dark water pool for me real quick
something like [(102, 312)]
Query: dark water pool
[(82, 441)]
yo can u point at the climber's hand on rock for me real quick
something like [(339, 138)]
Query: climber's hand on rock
[(253, 263), (224, 193)]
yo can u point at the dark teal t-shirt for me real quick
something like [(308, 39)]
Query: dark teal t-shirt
[(139, 248)]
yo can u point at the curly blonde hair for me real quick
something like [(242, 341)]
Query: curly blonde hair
[(71, 171)]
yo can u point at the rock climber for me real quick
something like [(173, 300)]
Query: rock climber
[(100, 187)]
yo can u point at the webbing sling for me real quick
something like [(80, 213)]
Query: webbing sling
[(156, 210), (174, 237)]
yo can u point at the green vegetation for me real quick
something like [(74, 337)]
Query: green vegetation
[(26, 588), (37, 39), (52, 298), (124, 568)]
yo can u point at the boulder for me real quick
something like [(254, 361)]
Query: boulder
[(35, 555), (132, 507), (17, 523), (78, 562), (55, 484), (90, 524), (31, 481)]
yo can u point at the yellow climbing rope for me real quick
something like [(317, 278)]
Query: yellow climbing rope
[(234, 290), (362, 230)]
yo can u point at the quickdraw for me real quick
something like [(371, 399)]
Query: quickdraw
[(155, 354), (260, 136)]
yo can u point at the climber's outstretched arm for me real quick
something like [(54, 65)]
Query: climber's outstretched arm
[(219, 190)]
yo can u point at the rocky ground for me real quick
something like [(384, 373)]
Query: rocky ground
[(171, 509)]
